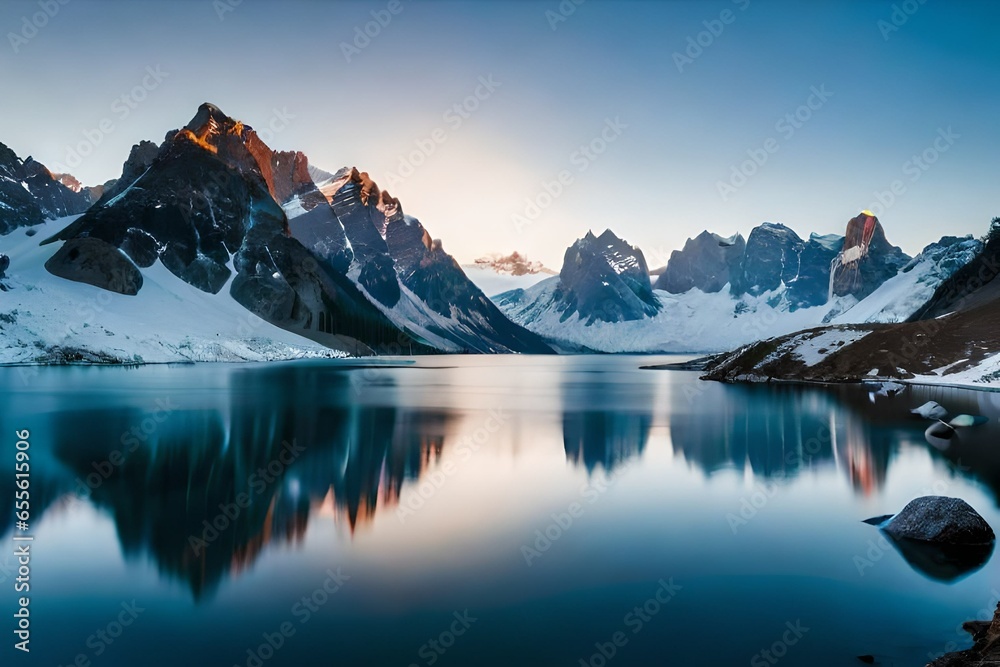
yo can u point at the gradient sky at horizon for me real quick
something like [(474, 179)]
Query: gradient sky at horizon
[(655, 185)]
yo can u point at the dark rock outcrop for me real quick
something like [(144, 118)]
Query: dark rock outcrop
[(867, 260), (605, 279), (941, 520), (4, 264), (707, 262), (96, 262), (970, 286), (985, 653), (140, 158), (811, 287), (356, 204), (771, 258)]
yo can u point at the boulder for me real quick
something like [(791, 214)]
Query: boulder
[(941, 520), (96, 262), (4, 264)]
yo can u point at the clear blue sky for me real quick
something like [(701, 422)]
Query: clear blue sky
[(656, 183)]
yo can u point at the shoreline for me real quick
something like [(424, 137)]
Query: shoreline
[(985, 651)]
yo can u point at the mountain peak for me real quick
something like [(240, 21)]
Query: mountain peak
[(368, 186), (606, 279)]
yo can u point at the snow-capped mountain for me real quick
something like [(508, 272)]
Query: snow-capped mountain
[(956, 347), (407, 274), (30, 194), (203, 208), (775, 259), (777, 284), (212, 205), (604, 287)]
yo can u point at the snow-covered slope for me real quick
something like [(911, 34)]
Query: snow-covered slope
[(902, 295), (48, 319), (693, 322)]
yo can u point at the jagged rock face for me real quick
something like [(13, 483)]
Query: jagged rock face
[(708, 262), (771, 258), (290, 178), (284, 283), (286, 174), (188, 209), (356, 206), (812, 285), (30, 194), (436, 278), (321, 231), (55, 199), (867, 260), (95, 262), (605, 279), (17, 207), (140, 158), (4, 264)]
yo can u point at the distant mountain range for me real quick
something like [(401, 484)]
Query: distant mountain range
[(951, 338), (719, 293), (211, 245)]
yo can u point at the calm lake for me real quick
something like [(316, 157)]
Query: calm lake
[(480, 511)]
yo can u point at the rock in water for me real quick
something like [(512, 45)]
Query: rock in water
[(930, 410), (941, 520)]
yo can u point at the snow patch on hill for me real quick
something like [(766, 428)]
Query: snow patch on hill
[(813, 349), (45, 319)]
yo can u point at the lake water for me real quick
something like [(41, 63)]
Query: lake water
[(481, 511)]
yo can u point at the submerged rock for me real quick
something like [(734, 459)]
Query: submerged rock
[(878, 520), (930, 410), (941, 520)]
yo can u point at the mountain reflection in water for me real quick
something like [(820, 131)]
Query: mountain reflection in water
[(206, 491)]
